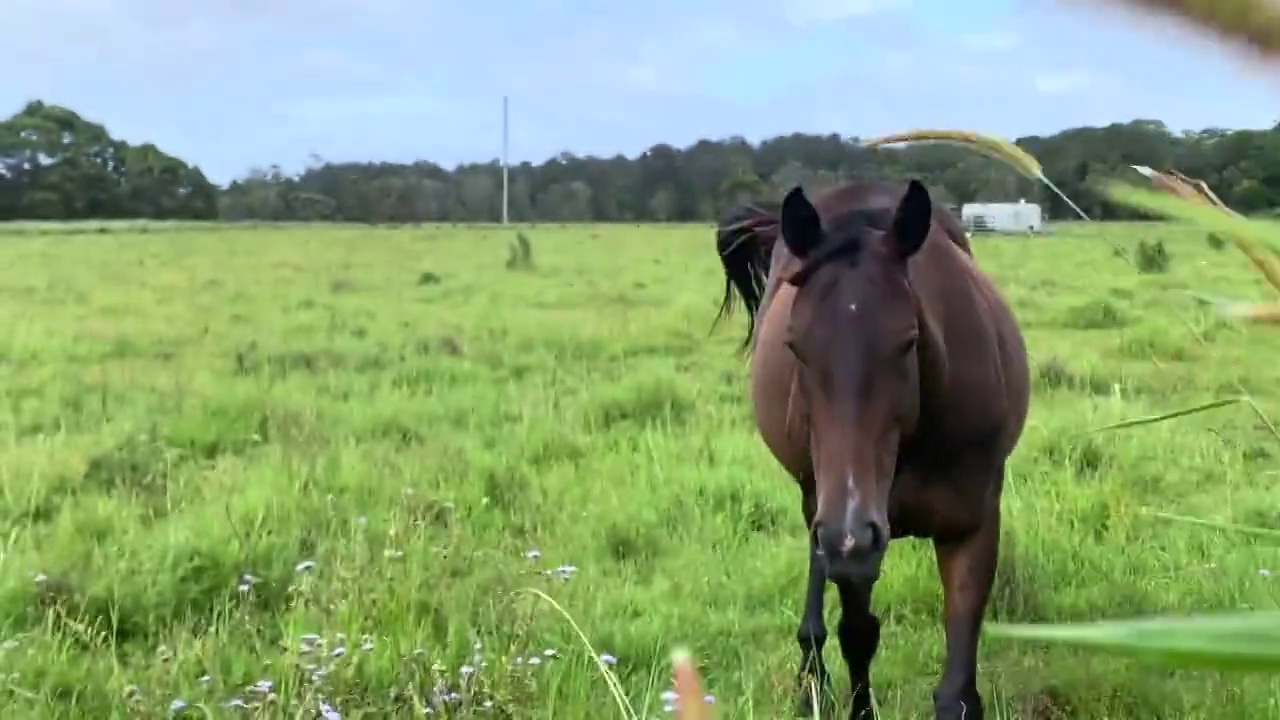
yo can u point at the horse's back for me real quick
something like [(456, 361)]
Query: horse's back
[(988, 378)]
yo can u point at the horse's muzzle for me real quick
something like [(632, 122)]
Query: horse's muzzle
[(852, 550)]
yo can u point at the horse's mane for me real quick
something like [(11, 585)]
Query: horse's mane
[(746, 236)]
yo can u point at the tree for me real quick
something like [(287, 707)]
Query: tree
[(56, 165)]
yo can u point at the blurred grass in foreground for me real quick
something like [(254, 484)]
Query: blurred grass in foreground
[(1228, 641)]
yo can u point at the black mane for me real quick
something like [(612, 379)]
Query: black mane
[(846, 236)]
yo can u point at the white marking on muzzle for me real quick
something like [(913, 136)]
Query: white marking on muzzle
[(848, 543)]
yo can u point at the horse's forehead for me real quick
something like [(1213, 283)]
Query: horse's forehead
[(852, 291), (873, 210), (872, 292), (869, 284), (864, 226)]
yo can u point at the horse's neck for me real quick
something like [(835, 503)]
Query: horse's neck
[(931, 352)]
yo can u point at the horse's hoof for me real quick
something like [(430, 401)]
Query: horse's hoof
[(860, 707), (811, 697), (960, 709), (807, 706)]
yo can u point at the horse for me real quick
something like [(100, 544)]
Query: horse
[(890, 379)]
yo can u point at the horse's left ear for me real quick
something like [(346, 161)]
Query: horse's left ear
[(800, 224), (912, 220)]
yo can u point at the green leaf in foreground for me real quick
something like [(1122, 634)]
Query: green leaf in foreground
[(1199, 214), (1233, 309), (1236, 641)]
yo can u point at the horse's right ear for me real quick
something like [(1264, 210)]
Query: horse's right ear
[(801, 226)]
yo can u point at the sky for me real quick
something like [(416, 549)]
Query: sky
[(233, 84)]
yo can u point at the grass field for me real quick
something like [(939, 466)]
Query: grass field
[(298, 468)]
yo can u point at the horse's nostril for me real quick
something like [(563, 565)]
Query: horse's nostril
[(877, 538), (860, 540)]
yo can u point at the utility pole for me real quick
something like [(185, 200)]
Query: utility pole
[(505, 176)]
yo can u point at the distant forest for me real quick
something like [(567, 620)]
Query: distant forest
[(55, 165)]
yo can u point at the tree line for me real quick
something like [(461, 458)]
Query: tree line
[(55, 165)]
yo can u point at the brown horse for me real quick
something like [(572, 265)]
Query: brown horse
[(889, 378)]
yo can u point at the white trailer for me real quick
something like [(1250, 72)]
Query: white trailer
[(1019, 217)]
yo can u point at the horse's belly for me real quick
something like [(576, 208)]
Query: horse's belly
[(778, 412)]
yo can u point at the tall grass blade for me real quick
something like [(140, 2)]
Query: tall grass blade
[(615, 687), (1164, 417), (1264, 533)]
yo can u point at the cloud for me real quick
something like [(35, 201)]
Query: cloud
[(803, 13), (990, 42), (1062, 82)]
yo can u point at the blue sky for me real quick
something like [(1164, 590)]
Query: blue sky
[(229, 84)]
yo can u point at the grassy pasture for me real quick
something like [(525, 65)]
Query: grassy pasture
[(292, 468)]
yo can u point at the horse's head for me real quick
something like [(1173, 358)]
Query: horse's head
[(855, 331)]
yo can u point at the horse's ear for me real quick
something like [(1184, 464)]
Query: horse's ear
[(912, 220), (801, 226)]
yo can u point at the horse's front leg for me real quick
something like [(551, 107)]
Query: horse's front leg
[(812, 682), (967, 567), (859, 633)]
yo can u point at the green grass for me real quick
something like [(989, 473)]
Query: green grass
[(397, 408)]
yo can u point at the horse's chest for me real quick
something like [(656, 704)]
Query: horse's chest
[(936, 505)]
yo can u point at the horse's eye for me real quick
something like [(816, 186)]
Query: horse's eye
[(909, 344)]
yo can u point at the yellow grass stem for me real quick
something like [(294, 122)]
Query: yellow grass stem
[(988, 145)]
